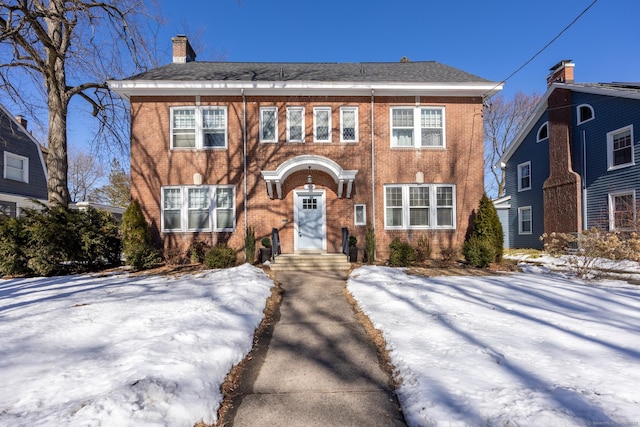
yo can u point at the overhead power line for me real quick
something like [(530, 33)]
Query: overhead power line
[(547, 45)]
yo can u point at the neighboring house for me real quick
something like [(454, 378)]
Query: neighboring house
[(24, 176), (575, 165), (307, 149)]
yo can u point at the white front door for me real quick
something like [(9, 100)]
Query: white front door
[(310, 220)]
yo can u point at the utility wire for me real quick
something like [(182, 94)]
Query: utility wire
[(545, 46)]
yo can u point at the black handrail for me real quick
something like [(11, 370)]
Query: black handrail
[(275, 243), (345, 241)]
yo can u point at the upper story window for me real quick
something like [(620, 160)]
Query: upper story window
[(543, 132), (524, 176), (620, 147), (198, 127), (417, 127), (322, 124), (269, 124), (16, 167), (201, 208), (412, 206), (622, 211), (349, 124), (585, 113), (295, 124)]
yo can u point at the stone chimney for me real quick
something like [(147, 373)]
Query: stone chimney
[(562, 72), (22, 121), (561, 190), (182, 50)]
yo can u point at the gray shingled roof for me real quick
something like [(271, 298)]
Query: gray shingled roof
[(409, 72)]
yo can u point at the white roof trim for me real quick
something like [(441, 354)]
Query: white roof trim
[(128, 88)]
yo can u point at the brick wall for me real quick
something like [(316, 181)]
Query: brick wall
[(461, 163)]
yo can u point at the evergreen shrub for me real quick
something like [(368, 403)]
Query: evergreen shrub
[(220, 256), (479, 252), (137, 248), (401, 253)]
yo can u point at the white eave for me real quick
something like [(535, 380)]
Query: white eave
[(129, 88)]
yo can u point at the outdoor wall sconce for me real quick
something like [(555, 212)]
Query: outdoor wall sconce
[(420, 177), (310, 180), (197, 179)]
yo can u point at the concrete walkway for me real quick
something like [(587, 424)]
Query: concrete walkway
[(319, 368)]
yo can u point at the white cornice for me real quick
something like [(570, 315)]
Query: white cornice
[(129, 88)]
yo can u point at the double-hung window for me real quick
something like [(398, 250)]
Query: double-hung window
[(322, 124), (524, 220), (201, 208), (419, 127), (198, 127), (349, 124), (16, 167), (411, 206), (295, 124), (269, 124), (620, 147), (622, 211), (524, 176)]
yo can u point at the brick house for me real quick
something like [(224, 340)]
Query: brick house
[(307, 149), (576, 163)]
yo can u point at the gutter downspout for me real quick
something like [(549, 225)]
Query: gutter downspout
[(373, 169), (244, 161), (584, 179)]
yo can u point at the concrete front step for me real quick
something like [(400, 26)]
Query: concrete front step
[(310, 261)]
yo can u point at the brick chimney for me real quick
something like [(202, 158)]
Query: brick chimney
[(23, 122), (562, 72), (561, 190), (182, 50)]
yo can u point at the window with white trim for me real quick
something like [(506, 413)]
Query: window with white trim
[(620, 147), (419, 127), (360, 215), (524, 176), (584, 113), (269, 124), (412, 206), (348, 124), (295, 124), (622, 210), (198, 127), (543, 132), (198, 208), (322, 124), (16, 167), (524, 220)]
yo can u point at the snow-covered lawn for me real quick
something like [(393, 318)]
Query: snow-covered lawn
[(124, 350), (525, 349)]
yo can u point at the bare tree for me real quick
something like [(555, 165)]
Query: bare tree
[(68, 49), (503, 120), (84, 173)]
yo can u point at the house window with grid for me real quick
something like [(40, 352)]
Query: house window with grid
[(349, 124), (199, 127), (524, 220), (201, 208), (269, 124), (16, 167), (295, 124), (360, 215), (524, 176), (322, 124), (622, 211), (419, 127), (620, 147), (411, 206)]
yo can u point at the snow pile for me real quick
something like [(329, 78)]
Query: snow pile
[(123, 350), (523, 349)]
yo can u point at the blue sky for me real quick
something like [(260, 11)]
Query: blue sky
[(491, 39)]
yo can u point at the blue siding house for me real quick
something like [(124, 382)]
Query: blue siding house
[(24, 176), (576, 163)]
